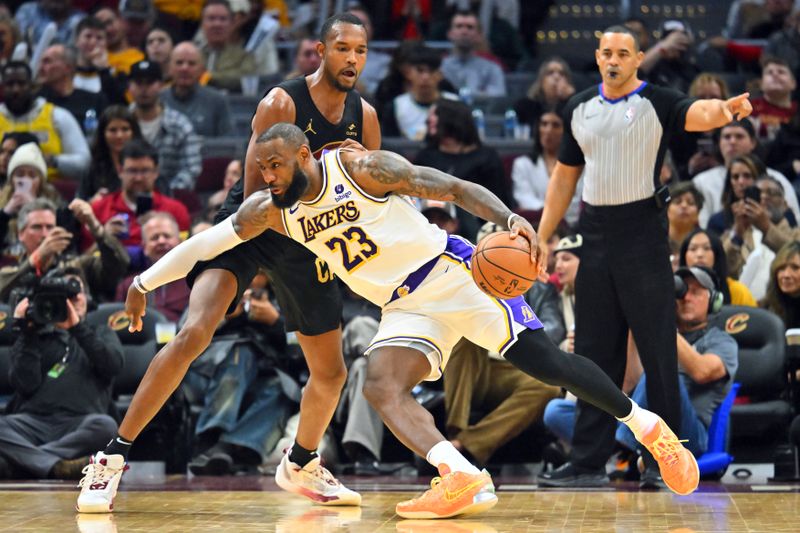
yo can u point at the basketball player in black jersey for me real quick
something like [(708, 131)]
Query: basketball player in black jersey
[(330, 113)]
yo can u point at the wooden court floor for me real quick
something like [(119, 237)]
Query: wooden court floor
[(518, 511)]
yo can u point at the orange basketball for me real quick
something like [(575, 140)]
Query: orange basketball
[(502, 266)]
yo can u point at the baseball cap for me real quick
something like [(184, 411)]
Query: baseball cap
[(448, 208), (571, 244), (28, 154), (136, 9), (148, 70), (703, 276), (239, 6), (669, 26)]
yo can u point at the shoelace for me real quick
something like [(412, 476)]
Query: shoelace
[(96, 473), (324, 474), (666, 449)]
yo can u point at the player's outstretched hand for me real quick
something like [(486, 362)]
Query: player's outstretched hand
[(520, 226), (135, 305), (738, 107)]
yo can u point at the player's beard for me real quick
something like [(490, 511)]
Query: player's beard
[(294, 191), (337, 84)]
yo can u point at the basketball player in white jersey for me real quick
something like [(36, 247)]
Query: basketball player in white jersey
[(349, 209)]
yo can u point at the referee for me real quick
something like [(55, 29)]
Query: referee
[(618, 133)]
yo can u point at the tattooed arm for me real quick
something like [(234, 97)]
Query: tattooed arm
[(381, 173)]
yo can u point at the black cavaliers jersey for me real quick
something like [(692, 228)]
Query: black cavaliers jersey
[(321, 134)]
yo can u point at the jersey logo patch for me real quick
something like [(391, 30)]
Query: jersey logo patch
[(340, 193), (629, 114), (351, 130), (310, 127)]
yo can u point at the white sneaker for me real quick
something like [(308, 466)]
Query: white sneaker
[(315, 482), (99, 484)]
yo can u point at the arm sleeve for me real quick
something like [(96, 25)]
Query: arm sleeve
[(74, 159), (570, 153), (181, 259), (102, 347)]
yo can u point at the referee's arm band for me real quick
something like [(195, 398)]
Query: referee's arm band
[(180, 260)]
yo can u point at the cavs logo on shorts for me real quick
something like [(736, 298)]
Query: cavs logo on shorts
[(118, 321), (737, 323), (527, 314)]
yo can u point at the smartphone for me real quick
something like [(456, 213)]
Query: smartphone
[(66, 219), (144, 204), (754, 193), (23, 185)]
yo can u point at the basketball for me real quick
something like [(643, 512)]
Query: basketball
[(502, 266)]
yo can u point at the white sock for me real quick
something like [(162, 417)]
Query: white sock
[(639, 420), (445, 452)]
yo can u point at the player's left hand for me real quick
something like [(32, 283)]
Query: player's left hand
[(738, 107), (520, 226), (351, 145)]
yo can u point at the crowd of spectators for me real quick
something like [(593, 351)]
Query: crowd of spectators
[(104, 133)]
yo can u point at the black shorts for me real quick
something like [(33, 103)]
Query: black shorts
[(308, 294)]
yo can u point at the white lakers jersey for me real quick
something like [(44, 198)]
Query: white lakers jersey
[(372, 244)]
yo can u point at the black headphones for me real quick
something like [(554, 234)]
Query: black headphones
[(707, 278)]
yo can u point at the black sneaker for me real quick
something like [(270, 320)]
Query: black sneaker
[(215, 464), (651, 480), (568, 475)]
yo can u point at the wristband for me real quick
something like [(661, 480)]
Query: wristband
[(137, 283), (508, 222)]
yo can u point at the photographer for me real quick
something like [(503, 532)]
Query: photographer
[(61, 370), (44, 246)]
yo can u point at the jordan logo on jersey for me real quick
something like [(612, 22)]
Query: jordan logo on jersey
[(310, 127), (328, 219)]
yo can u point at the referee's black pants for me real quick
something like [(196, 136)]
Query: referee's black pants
[(624, 281)]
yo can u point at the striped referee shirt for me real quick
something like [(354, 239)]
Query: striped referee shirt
[(621, 142)]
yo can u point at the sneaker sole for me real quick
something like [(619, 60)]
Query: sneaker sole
[(697, 471), (95, 508), (486, 502), (286, 484)]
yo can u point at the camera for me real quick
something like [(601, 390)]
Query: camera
[(48, 298)]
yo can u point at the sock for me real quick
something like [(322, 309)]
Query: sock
[(445, 452), (639, 421), (300, 456), (118, 446)]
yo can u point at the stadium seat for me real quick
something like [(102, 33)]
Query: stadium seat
[(715, 461)]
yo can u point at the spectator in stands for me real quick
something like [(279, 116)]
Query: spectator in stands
[(168, 130), (46, 246), (441, 214), (759, 230), (33, 16), (93, 73), (377, 65), (139, 162), (56, 77), (306, 58), (786, 43), (701, 248), (464, 67), (783, 293), (775, 106), (735, 138), (453, 146), (552, 86), (244, 407), (233, 173), (137, 18), (742, 173), (121, 55), (205, 107), (158, 48), (256, 28), (9, 144), (699, 146), (671, 62), (407, 114), (9, 37), (61, 140), (642, 31), (27, 180), (62, 376), (226, 61), (116, 127), (784, 151), (567, 255), (160, 234), (530, 174), (683, 211)]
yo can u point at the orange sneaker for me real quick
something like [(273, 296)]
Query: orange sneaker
[(455, 493), (677, 464)]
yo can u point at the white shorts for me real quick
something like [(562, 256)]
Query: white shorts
[(448, 305)]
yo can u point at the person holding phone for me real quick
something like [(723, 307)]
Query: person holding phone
[(27, 172), (739, 190)]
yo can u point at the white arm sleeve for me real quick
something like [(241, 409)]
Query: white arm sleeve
[(180, 260)]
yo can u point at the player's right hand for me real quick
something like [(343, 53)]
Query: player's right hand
[(135, 305)]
